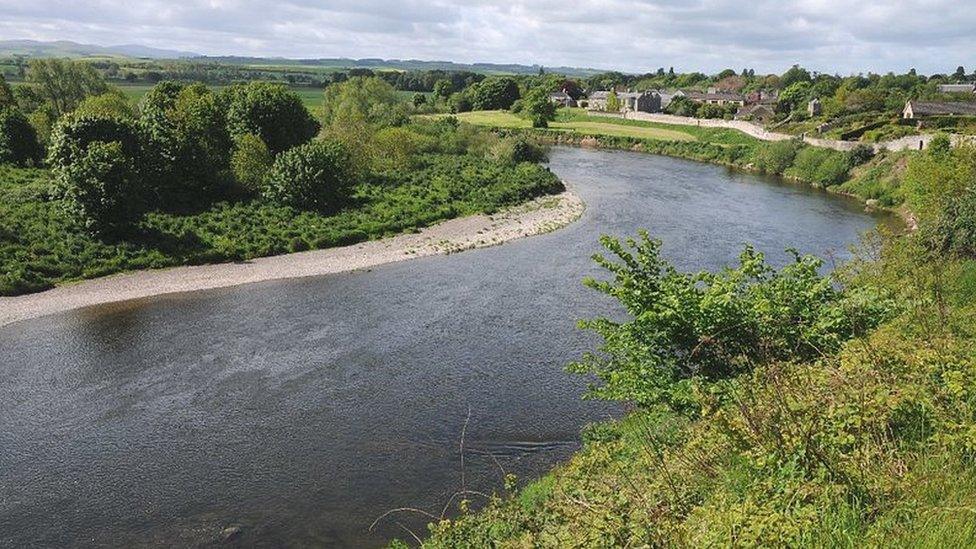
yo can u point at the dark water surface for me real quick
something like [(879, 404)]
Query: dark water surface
[(302, 410)]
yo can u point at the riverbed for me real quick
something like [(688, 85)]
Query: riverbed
[(298, 411)]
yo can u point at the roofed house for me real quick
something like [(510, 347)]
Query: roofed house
[(957, 88), (647, 101), (715, 97), (922, 109), (758, 113), (562, 98)]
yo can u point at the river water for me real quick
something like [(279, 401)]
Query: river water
[(299, 411)]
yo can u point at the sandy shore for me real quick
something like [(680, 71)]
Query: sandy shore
[(539, 216)]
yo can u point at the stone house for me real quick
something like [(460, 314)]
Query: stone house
[(646, 101), (715, 97), (814, 108)]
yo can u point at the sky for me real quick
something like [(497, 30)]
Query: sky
[(835, 36)]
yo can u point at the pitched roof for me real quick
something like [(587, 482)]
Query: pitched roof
[(957, 88), (937, 108)]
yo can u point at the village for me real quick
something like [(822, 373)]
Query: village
[(762, 108)]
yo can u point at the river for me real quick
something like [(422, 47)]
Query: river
[(299, 411)]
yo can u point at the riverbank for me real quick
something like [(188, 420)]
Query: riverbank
[(538, 216)]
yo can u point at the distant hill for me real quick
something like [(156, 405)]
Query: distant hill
[(405, 64), (65, 48)]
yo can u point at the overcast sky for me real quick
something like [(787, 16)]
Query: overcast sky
[(632, 35)]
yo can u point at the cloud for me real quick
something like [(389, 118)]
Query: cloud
[(634, 35)]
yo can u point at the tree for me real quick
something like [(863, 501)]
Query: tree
[(310, 176), (494, 93), (795, 74), (113, 103), (189, 145), (537, 106), (102, 188), (443, 89), (250, 162), (271, 111), (72, 136), (419, 100), (794, 96), (613, 102), (960, 74), (6, 94), (18, 140), (361, 100), (63, 83)]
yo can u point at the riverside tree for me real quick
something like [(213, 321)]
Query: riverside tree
[(313, 176), (271, 111)]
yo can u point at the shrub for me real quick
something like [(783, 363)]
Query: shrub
[(775, 157), (271, 111), (822, 166), (311, 176), (397, 148), (110, 104), (713, 326), (101, 188), (860, 154), (18, 140), (72, 136), (250, 162)]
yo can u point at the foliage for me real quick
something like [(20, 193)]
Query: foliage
[(613, 102), (539, 109), (6, 94), (313, 176), (63, 83), (39, 247), (821, 166), (361, 100), (271, 111), (251, 161), (776, 156), (111, 104), (494, 93), (101, 189), (687, 328), (18, 140)]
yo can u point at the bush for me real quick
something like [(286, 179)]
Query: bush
[(397, 148), (775, 157), (713, 326), (821, 166), (101, 188), (271, 111), (18, 140), (250, 162), (313, 176), (73, 135)]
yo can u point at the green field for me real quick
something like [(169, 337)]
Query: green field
[(580, 122)]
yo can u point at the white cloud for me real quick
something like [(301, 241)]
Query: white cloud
[(635, 35)]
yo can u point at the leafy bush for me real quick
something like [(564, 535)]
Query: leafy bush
[(397, 148), (494, 93), (18, 140), (776, 156), (250, 162), (112, 104), (707, 326), (102, 189), (821, 166), (313, 176), (72, 136), (271, 111)]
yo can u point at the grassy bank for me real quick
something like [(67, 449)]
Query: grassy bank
[(777, 408), (40, 247)]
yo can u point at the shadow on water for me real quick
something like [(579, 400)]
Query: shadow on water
[(302, 410)]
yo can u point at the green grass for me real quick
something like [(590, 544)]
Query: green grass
[(589, 126), (40, 248)]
